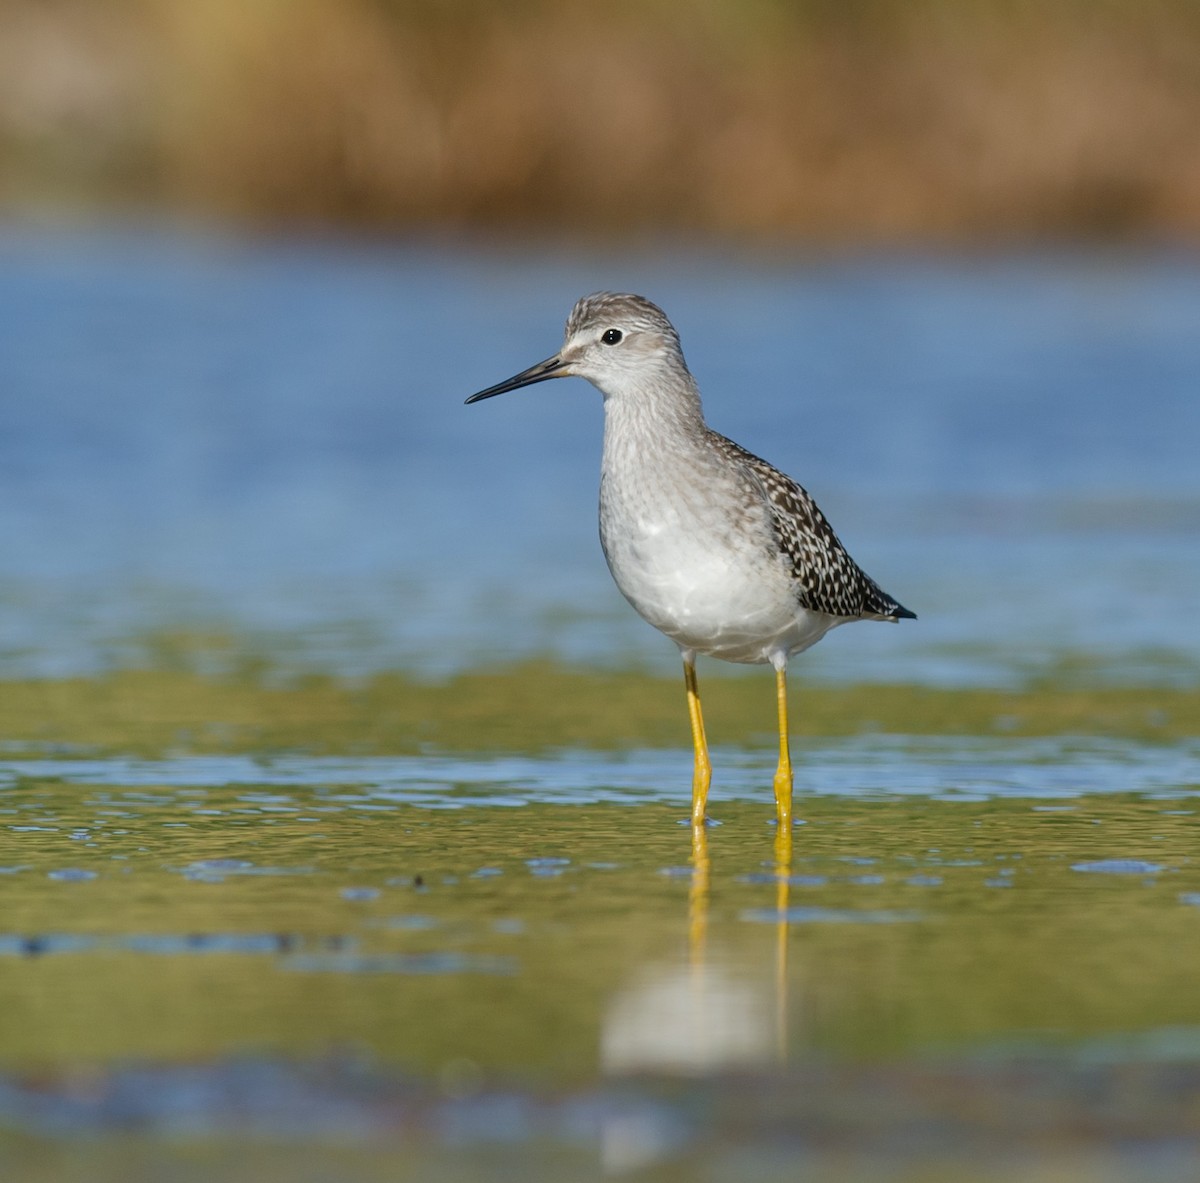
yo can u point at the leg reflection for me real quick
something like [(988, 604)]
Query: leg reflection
[(783, 875), (698, 899)]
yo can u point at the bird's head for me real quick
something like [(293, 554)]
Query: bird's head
[(615, 341)]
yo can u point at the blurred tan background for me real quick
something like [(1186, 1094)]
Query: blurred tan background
[(817, 119)]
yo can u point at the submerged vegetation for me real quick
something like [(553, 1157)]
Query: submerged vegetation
[(538, 707), (867, 119)]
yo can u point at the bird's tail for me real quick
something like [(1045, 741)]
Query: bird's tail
[(880, 605)]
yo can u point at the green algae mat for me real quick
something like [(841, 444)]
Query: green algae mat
[(539, 706)]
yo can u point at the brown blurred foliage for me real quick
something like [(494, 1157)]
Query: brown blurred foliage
[(865, 119)]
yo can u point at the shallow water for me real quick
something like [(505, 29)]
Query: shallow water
[(940, 768), (262, 924), (193, 954)]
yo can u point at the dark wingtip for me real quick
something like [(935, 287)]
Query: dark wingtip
[(902, 613)]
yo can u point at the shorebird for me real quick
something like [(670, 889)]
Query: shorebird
[(713, 546)]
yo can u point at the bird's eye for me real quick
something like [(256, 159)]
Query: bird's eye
[(612, 336)]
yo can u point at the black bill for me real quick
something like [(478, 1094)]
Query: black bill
[(552, 367)]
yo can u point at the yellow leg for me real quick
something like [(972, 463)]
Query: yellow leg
[(783, 774), (702, 769)]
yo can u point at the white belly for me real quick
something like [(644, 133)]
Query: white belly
[(707, 589)]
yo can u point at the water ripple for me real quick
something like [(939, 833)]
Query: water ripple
[(953, 768)]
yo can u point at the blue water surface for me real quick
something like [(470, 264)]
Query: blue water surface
[(267, 438)]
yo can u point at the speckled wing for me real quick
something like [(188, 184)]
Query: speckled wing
[(827, 578)]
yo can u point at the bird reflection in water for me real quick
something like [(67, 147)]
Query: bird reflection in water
[(710, 1013), (698, 1017)]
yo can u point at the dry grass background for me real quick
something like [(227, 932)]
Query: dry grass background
[(814, 119)]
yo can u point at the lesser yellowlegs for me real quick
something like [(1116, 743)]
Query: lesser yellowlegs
[(718, 550)]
